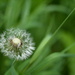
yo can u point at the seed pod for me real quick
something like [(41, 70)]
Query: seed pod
[(16, 43)]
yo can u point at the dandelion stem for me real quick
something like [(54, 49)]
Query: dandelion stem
[(13, 63)]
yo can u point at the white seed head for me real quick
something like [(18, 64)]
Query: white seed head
[(16, 43)]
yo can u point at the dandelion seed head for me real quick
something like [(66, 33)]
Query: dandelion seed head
[(16, 44)]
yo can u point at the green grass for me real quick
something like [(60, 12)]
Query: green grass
[(52, 26)]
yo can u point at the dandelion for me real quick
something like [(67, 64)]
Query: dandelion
[(16, 43)]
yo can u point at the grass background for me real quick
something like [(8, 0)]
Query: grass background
[(41, 18)]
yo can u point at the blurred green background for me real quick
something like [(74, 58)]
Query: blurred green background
[(40, 18)]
